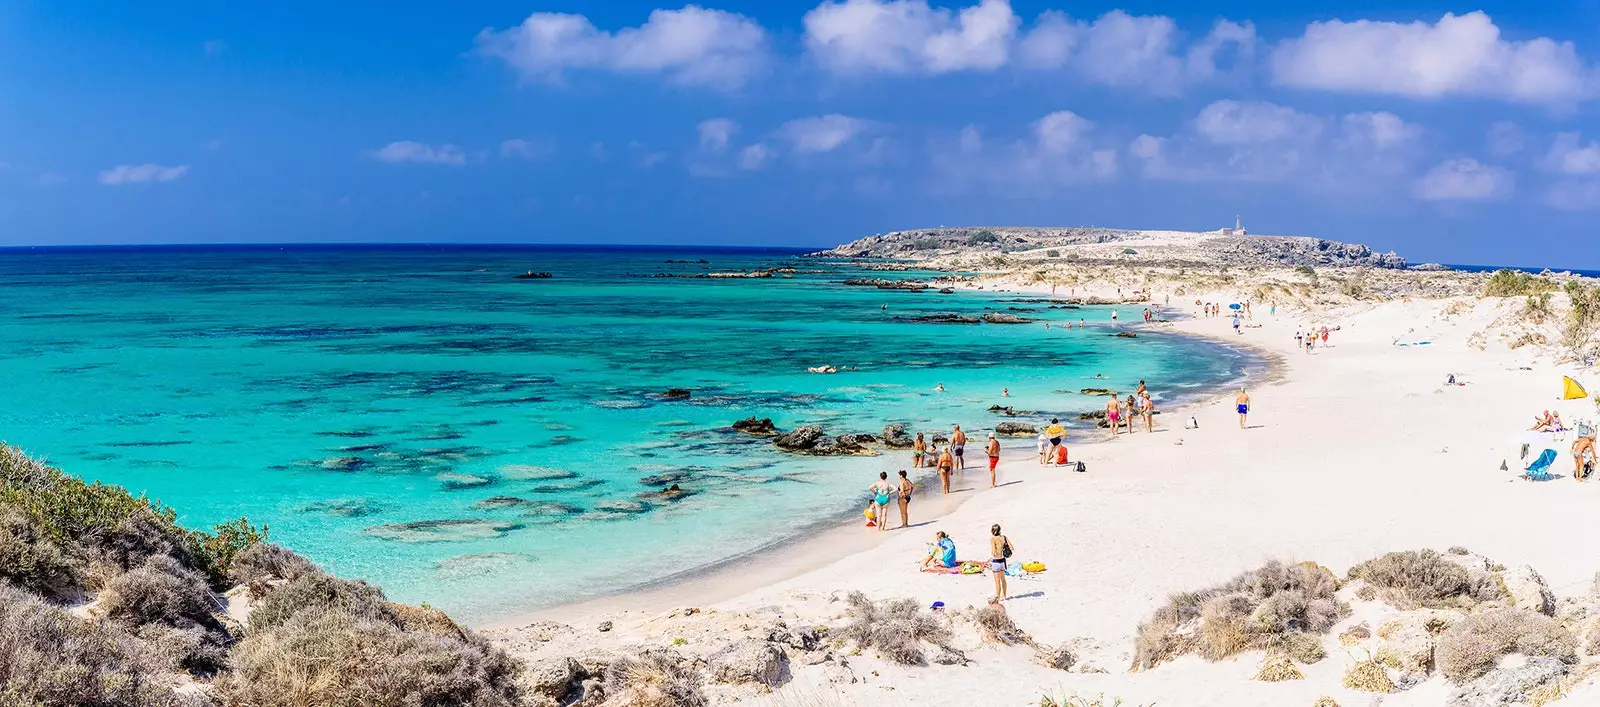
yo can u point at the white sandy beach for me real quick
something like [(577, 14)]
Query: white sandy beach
[(1352, 451)]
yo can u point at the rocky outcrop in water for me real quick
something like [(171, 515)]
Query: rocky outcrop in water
[(941, 318), (810, 439), (911, 285), (1004, 318), (531, 275), (753, 426), (1009, 428), (677, 394), (894, 437)]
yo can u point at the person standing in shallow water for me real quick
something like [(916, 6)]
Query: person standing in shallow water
[(1242, 404), (999, 549), (881, 493), (958, 446), (906, 488)]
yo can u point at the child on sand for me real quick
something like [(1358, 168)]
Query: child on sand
[(1044, 448)]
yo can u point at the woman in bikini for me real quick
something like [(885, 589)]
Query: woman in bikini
[(1129, 410), (906, 487), (999, 550), (918, 448), (947, 464), (881, 493)]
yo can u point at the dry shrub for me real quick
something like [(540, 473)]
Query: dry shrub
[(1368, 675), (895, 628), (1325, 701), (1475, 645), (136, 538), (49, 658), (257, 565), (321, 640), (33, 561), (168, 606), (1303, 647), (1354, 635), (1423, 578), (653, 678), (1277, 667), (997, 627), (1258, 609)]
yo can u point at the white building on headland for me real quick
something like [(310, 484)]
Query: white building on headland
[(1237, 230)]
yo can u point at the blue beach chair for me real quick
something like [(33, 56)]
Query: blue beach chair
[(1539, 470)]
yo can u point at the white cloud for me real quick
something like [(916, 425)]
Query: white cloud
[(1059, 150), (692, 46), (1464, 179), (909, 36), (1124, 50), (1254, 141), (530, 150), (1458, 55), (1574, 195), (142, 174), (1505, 139), (1569, 156), (409, 151), (1229, 122), (754, 157), (715, 134), (821, 134)]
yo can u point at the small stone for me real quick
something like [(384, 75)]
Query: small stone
[(949, 656), (604, 626), (1060, 658)]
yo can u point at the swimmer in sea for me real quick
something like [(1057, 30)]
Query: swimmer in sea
[(939, 388)]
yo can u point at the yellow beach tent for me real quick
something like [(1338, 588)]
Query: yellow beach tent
[(1571, 389)]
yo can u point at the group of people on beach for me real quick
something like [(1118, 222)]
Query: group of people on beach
[(942, 558), (953, 458), (1124, 413), (1307, 339)]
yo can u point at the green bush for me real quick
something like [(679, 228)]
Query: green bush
[(104, 522), (925, 244), (33, 561), (1584, 316), (982, 237), (1512, 283), (1305, 270)]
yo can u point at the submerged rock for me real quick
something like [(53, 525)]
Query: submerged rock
[(1125, 335), (343, 507), (499, 502), (751, 425), (670, 494), (676, 393), (345, 464), (567, 486), (622, 507), (446, 530), (528, 472), (941, 318), (1003, 318), (665, 478), (549, 509), (481, 563), (451, 481), (1097, 391)]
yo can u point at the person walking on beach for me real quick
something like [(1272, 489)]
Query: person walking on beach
[(1297, 336), (993, 448), (1113, 414), (1147, 410), (1242, 403), (999, 551), (881, 493), (906, 488), (958, 446), (919, 448), (946, 464), (1236, 324)]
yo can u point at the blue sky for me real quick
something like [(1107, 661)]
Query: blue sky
[(1467, 137)]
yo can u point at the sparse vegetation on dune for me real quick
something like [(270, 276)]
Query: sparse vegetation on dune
[(1473, 646), (1275, 606), (655, 678), (313, 639), (896, 628), (1424, 578)]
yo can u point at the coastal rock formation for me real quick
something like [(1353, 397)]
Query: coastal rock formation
[(941, 318), (895, 437), (1097, 391), (749, 660), (676, 394), (531, 275), (1010, 428), (1004, 318), (753, 426), (909, 285), (810, 439)]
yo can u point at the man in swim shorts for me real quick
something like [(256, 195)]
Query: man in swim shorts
[(1113, 414), (1242, 404), (1055, 432), (993, 448), (958, 444)]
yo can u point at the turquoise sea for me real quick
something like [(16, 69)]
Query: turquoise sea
[(338, 393)]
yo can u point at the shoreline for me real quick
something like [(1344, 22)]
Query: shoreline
[(820, 543)]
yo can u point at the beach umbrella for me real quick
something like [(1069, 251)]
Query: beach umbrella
[(1235, 305), (1571, 389)]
